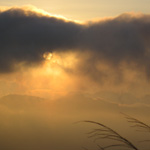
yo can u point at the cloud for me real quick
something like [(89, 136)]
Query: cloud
[(120, 42), (122, 39), (26, 35)]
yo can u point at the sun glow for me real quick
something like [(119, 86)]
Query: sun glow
[(61, 60), (47, 56), (52, 78)]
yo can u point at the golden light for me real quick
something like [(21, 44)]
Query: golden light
[(45, 13), (53, 78), (47, 56), (61, 60)]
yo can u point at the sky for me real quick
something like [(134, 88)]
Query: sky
[(84, 10), (62, 62)]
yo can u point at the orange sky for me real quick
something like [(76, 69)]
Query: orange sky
[(85, 10)]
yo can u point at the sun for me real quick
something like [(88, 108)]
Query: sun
[(47, 56)]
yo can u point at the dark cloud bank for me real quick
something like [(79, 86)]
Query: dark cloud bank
[(26, 35)]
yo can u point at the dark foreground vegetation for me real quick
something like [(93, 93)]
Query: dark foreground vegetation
[(103, 132)]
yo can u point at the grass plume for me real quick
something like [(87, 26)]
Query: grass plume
[(105, 132), (139, 125)]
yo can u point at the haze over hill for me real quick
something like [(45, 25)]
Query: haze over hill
[(20, 101), (33, 123)]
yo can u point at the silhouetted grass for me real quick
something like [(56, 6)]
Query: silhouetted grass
[(139, 125), (107, 133)]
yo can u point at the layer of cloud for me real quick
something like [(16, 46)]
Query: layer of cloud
[(26, 35)]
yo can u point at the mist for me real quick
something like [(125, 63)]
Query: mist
[(37, 123)]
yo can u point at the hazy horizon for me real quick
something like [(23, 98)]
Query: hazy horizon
[(36, 123)]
